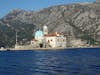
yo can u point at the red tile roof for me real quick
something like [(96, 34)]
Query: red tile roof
[(54, 34)]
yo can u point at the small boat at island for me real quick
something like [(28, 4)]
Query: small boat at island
[(3, 49)]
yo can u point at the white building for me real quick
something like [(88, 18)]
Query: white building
[(55, 40), (52, 40)]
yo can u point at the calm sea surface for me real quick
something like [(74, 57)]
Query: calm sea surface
[(57, 62)]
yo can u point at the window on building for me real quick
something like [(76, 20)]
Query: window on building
[(48, 41)]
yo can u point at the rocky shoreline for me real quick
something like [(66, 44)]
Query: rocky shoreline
[(12, 49)]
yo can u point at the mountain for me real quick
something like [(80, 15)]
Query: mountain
[(76, 21)]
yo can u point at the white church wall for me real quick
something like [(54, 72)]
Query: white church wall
[(56, 41), (51, 41)]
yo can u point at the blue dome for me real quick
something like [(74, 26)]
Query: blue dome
[(39, 33)]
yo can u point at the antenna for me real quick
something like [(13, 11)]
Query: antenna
[(16, 38)]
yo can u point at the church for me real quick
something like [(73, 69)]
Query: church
[(44, 39)]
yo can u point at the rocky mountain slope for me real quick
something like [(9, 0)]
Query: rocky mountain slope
[(77, 21)]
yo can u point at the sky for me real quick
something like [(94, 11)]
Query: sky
[(8, 5)]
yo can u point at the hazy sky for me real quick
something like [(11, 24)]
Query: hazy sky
[(8, 5)]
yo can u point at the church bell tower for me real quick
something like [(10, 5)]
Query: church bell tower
[(45, 30)]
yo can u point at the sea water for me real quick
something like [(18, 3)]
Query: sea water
[(85, 61)]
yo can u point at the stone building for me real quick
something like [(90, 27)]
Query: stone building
[(49, 40), (55, 40)]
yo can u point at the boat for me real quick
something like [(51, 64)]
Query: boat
[(3, 49)]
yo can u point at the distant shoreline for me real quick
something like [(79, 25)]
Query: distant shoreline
[(11, 49)]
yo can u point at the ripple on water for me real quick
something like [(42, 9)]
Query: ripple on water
[(61, 62)]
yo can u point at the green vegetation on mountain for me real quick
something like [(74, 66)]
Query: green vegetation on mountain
[(76, 21), (8, 33)]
